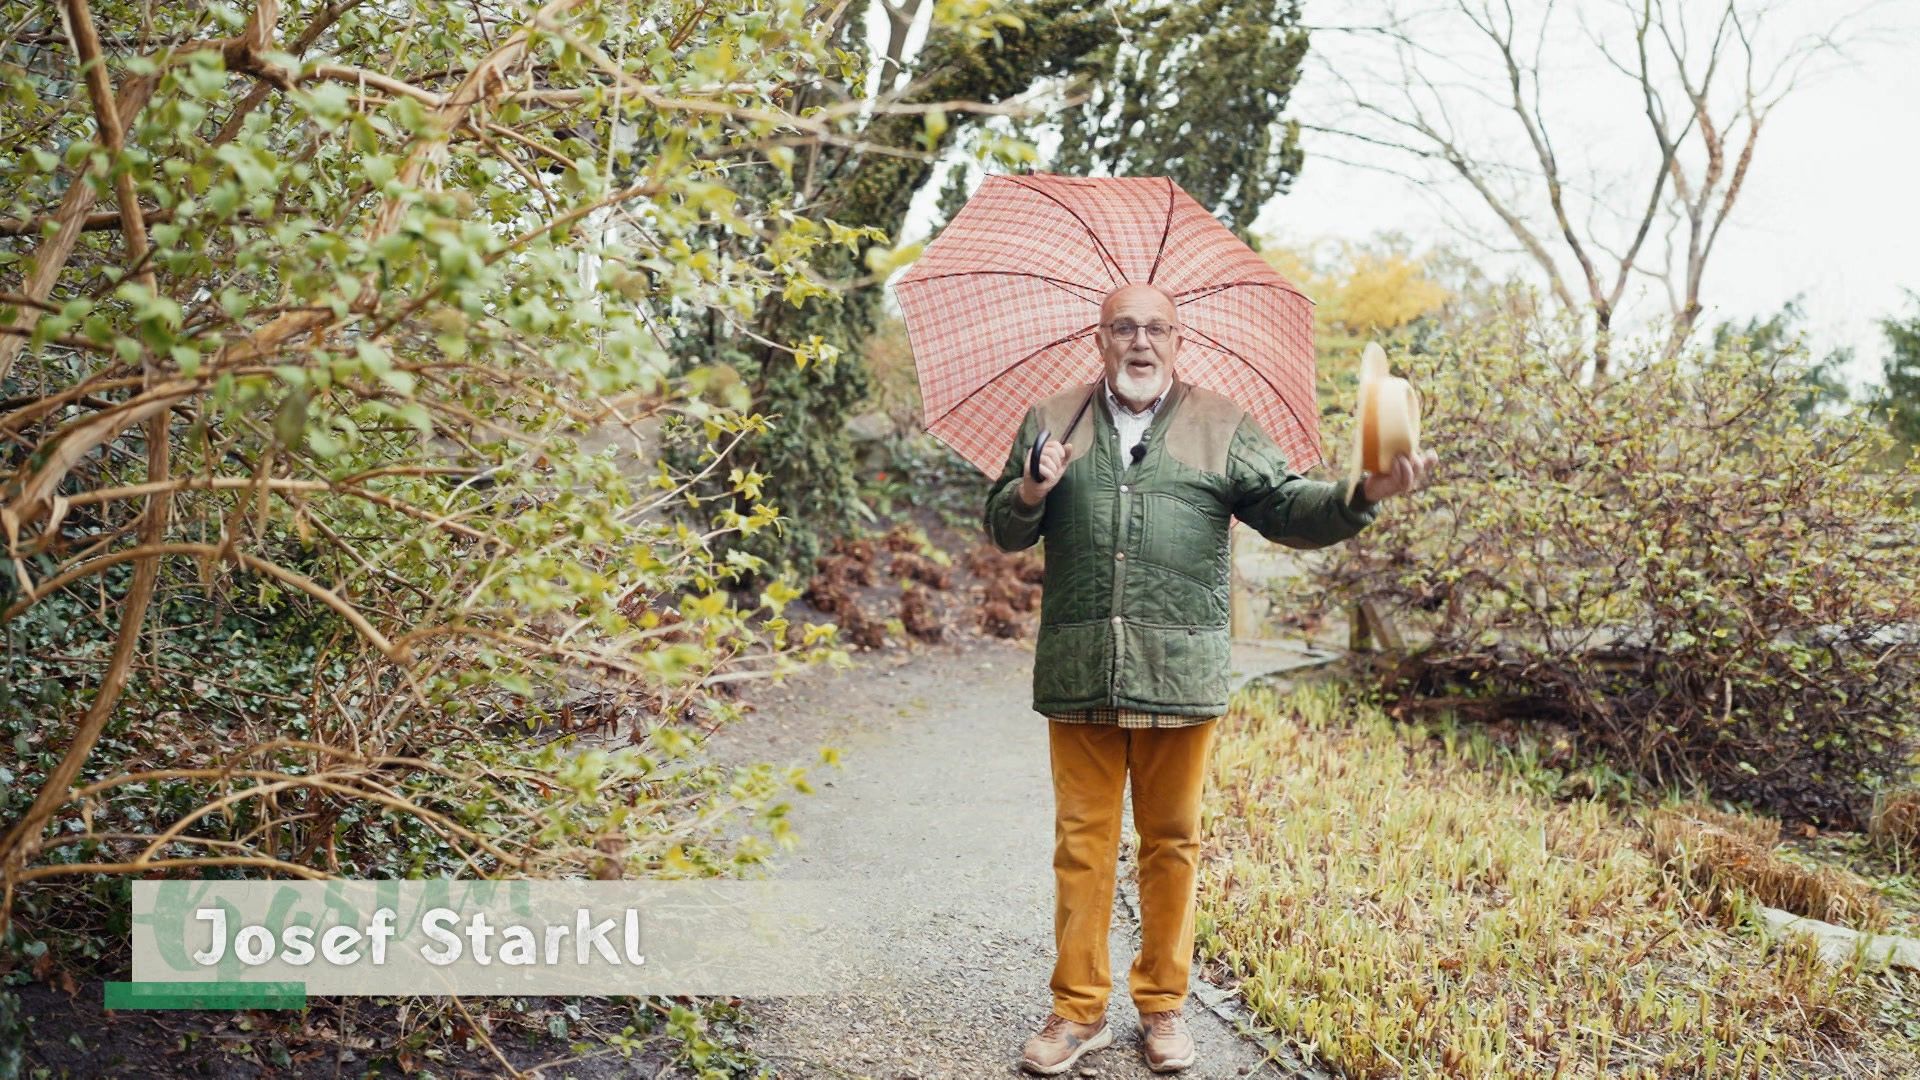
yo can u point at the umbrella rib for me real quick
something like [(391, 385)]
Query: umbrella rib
[(1165, 230), (1255, 368), (1091, 235), (1002, 373), (1060, 283), (1205, 291)]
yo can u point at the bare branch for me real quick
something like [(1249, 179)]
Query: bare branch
[(1670, 61)]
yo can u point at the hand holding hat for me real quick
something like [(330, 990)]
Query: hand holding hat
[(1386, 458)]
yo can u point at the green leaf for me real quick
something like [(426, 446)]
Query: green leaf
[(379, 168), (884, 261), (290, 420)]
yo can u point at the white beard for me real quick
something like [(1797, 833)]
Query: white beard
[(1128, 386)]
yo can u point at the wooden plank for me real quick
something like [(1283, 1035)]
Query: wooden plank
[(1239, 591), (1381, 627)]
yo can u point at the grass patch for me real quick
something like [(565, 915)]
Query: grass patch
[(1895, 827), (1726, 856), (1401, 911)]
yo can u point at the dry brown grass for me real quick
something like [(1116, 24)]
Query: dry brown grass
[(1758, 828), (1895, 827), (1714, 850), (1401, 911)]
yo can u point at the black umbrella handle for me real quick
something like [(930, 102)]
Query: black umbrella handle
[(1033, 456)]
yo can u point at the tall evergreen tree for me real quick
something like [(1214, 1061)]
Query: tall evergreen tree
[(1197, 92), (1781, 334), (1205, 85), (1900, 401)]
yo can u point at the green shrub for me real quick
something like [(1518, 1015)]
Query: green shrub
[(332, 521), (1677, 563)]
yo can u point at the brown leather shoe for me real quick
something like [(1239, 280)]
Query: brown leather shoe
[(1165, 1039), (1060, 1043)]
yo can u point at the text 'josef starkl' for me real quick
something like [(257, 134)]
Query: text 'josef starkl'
[(519, 946)]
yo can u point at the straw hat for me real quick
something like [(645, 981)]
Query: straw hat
[(1387, 421)]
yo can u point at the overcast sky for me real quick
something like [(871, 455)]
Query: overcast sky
[(1829, 210)]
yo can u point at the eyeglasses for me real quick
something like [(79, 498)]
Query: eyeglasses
[(1156, 331)]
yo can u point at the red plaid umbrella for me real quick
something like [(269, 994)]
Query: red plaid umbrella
[(1001, 308)]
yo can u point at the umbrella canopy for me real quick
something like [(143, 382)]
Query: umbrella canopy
[(1001, 308)]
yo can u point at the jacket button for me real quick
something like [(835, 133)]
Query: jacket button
[(1116, 620), (1120, 555), (1123, 489)]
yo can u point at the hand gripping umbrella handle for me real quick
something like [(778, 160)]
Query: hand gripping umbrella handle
[(1039, 444), (1033, 456)]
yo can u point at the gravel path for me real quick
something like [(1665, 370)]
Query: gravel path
[(944, 805)]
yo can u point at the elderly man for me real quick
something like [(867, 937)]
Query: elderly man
[(1136, 500)]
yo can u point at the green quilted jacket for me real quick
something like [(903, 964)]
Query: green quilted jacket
[(1134, 609)]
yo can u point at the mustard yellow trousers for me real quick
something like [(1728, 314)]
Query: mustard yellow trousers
[(1091, 767)]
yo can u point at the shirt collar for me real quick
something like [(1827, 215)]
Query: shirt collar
[(1120, 407)]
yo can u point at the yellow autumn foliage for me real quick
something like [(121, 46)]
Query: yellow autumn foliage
[(1361, 291)]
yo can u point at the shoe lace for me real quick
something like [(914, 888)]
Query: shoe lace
[(1163, 1023), (1054, 1023)]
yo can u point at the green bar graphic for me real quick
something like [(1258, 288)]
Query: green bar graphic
[(206, 995)]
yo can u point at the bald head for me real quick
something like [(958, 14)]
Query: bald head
[(1151, 300)]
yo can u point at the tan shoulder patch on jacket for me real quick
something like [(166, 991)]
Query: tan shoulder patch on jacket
[(1201, 431), (1056, 413)]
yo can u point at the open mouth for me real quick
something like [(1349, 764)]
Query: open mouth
[(1140, 366)]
